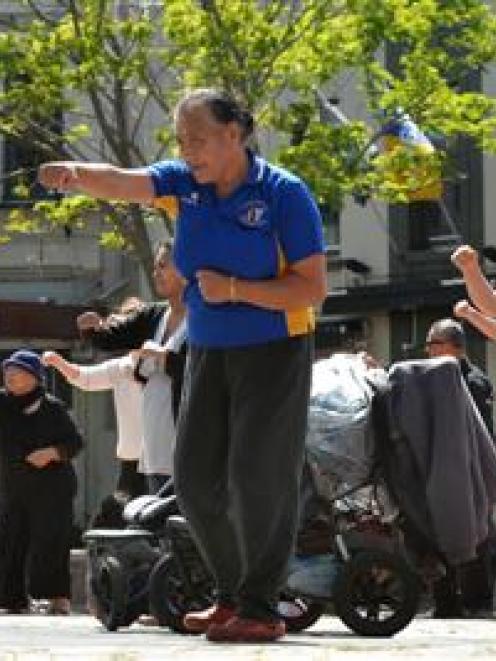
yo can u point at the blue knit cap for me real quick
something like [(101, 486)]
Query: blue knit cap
[(26, 360)]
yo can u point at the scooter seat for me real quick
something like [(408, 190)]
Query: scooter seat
[(132, 510), (112, 535), (155, 513)]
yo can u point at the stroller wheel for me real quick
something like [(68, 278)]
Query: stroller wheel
[(298, 613), (169, 600), (376, 594), (109, 591)]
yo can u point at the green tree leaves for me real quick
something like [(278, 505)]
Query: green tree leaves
[(114, 76)]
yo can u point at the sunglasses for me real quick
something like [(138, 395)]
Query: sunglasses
[(433, 343)]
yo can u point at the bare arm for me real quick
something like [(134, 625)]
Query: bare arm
[(99, 180), (94, 378), (53, 359), (303, 285), (479, 289), (486, 325)]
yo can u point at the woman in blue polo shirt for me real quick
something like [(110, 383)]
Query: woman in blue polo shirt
[(249, 245)]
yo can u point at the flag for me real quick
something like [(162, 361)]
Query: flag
[(402, 132)]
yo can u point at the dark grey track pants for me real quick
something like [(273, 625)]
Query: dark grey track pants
[(238, 462)]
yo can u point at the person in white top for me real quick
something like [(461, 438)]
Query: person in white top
[(159, 428), (117, 375), (156, 334)]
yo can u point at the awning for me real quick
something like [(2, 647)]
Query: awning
[(394, 296), (34, 319)]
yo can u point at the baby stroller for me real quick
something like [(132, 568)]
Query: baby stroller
[(409, 470), (358, 567)]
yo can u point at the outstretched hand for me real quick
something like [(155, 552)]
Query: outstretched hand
[(62, 176), (50, 358)]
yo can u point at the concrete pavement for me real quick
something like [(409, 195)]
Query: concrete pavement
[(81, 638)]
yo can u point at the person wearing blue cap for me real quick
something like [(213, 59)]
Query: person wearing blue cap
[(38, 439)]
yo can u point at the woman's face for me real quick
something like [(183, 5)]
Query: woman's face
[(18, 381), (206, 145), (168, 282)]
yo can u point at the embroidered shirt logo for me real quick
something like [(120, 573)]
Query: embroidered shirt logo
[(193, 198), (253, 214)]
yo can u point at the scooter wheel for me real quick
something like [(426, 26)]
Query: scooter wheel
[(109, 590), (376, 593), (169, 600)]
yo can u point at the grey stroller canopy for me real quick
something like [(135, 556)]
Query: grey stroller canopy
[(340, 437)]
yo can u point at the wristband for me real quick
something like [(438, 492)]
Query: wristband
[(232, 289)]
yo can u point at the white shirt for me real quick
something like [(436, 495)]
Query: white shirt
[(159, 430), (116, 374)]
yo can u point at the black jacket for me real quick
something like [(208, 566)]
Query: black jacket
[(22, 433), (132, 332), (481, 390)]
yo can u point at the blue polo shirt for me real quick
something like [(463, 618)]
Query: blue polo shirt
[(268, 222)]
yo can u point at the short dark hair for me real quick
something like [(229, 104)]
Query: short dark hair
[(223, 106), (449, 330), (164, 245)]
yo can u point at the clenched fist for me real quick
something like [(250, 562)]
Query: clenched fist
[(50, 358), (214, 287), (43, 457), (89, 321), (464, 258), (62, 175), (462, 309)]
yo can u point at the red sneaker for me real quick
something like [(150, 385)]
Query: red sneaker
[(200, 621), (243, 630)]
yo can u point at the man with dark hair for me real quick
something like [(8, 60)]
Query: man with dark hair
[(470, 591), (249, 245), (446, 337)]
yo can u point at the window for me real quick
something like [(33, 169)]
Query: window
[(339, 334), (332, 230), (424, 219), (436, 223)]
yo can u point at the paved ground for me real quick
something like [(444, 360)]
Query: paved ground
[(80, 638)]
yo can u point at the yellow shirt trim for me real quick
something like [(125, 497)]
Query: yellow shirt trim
[(169, 204), (299, 321)]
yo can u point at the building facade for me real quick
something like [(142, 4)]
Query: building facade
[(388, 267)]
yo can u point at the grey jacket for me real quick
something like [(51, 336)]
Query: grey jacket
[(444, 463)]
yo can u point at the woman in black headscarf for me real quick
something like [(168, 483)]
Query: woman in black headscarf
[(37, 486)]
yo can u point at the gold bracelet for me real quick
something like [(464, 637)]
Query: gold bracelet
[(232, 289)]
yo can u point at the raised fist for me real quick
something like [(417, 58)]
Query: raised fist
[(50, 358), (464, 257), (462, 309), (88, 321)]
